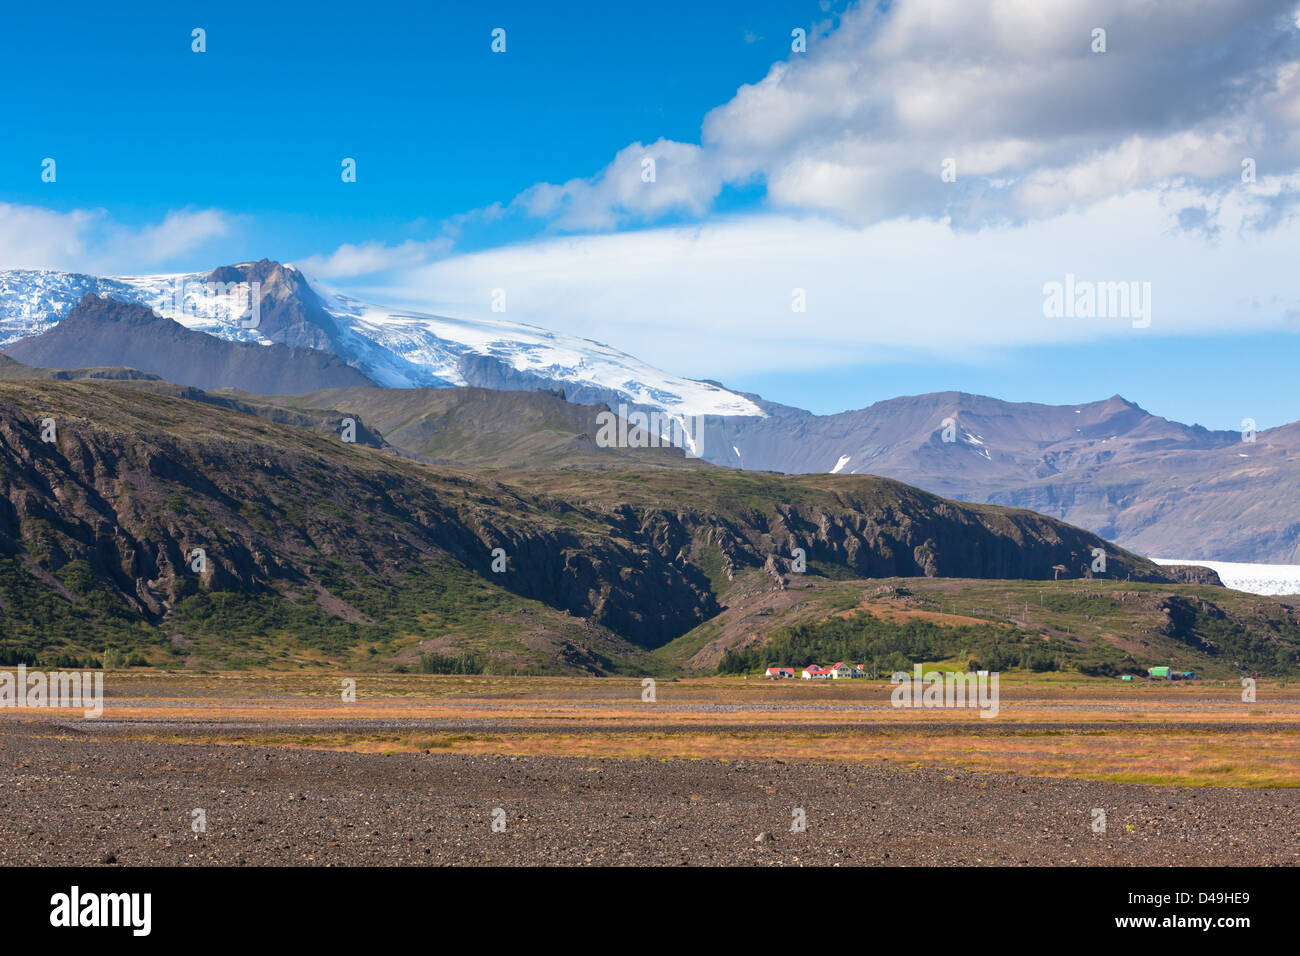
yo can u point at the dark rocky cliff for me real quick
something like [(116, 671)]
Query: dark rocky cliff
[(137, 479)]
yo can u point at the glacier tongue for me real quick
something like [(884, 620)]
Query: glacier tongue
[(1266, 579), (434, 345), (396, 348)]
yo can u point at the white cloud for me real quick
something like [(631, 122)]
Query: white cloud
[(180, 233), (1037, 122), (1115, 166), (715, 300), (36, 238), (88, 240), (369, 258), (628, 190)]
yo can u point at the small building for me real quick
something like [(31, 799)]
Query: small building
[(840, 671), (814, 672), (778, 672), (1159, 673), (1126, 677)]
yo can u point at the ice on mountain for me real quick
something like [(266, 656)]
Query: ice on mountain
[(395, 348)]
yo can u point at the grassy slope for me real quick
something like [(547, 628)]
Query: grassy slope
[(481, 427), (15, 371), (52, 608), (372, 550), (1103, 626)]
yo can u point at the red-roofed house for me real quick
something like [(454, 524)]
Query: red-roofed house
[(813, 672), (780, 672)]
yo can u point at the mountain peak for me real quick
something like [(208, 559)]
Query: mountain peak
[(92, 308), (398, 348)]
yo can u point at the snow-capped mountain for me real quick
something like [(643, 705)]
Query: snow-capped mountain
[(394, 348), (33, 301), (404, 349), (1153, 486)]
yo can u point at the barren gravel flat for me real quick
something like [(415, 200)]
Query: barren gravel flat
[(69, 798)]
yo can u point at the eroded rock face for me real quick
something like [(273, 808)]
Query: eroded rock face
[(290, 313)]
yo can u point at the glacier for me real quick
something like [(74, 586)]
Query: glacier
[(1269, 579), (395, 348)]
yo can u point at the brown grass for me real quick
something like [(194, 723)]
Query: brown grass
[(1189, 735)]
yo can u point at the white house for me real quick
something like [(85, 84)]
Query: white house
[(840, 671), (776, 672), (813, 672)]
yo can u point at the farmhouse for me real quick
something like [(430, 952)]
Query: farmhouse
[(842, 671), (778, 672), (837, 671)]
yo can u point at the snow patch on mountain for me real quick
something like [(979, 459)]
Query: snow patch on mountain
[(396, 348), (33, 301), (839, 465)]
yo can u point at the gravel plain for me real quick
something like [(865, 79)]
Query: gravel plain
[(68, 798)]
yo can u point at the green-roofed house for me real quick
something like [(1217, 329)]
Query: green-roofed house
[(1160, 673)]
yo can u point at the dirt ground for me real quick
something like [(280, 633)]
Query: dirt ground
[(275, 769), (71, 799)]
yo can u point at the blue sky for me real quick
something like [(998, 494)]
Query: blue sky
[(777, 170), (439, 125)]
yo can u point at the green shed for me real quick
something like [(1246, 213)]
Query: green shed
[(1159, 672)]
